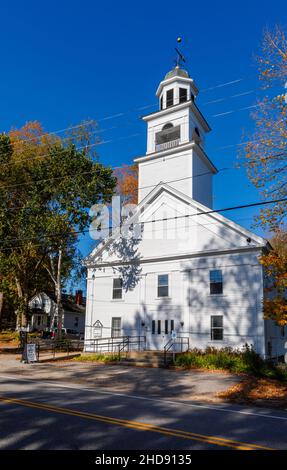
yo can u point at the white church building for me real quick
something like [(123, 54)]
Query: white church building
[(175, 265)]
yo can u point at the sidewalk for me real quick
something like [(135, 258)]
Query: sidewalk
[(163, 383)]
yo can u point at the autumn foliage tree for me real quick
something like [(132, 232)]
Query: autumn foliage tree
[(127, 183), (275, 267), (265, 153)]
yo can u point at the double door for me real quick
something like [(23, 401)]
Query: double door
[(159, 333)]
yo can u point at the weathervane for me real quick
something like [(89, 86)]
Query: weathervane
[(180, 58)]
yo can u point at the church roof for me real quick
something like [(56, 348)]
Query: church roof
[(257, 242), (177, 72)]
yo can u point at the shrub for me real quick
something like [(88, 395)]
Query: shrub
[(245, 360)]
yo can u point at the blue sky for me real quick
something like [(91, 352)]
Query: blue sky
[(65, 61)]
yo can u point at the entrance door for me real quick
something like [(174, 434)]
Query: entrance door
[(159, 333)]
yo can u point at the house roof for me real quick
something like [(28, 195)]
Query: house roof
[(68, 303)]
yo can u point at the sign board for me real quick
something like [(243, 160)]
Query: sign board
[(98, 327), (30, 354), (173, 334)]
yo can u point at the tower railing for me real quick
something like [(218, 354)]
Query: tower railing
[(167, 145)]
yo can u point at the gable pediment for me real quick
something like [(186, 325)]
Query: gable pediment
[(172, 224)]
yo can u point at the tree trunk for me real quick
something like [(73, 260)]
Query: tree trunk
[(1, 309), (20, 312), (59, 295)]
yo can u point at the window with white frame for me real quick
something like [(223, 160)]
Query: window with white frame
[(116, 327), (216, 281), (216, 327), (162, 285), (117, 288)]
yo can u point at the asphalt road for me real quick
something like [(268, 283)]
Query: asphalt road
[(46, 415)]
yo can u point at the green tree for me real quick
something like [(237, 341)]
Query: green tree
[(46, 189)]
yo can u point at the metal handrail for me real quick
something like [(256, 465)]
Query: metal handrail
[(130, 340), (112, 344), (171, 342)]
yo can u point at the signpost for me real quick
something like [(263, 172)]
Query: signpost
[(173, 337), (30, 354)]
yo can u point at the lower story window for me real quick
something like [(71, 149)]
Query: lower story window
[(116, 327), (216, 330)]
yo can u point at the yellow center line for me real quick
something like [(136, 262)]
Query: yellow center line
[(220, 441)]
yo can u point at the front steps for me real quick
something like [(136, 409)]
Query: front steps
[(146, 359)]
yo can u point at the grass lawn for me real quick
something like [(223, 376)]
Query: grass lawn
[(105, 358)]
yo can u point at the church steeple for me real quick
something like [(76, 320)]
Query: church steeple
[(175, 141)]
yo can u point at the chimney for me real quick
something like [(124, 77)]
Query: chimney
[(79, 297)]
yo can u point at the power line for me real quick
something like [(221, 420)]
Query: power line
[(132, 191), (245, 108), (89, 146), (211, 211), (75, 175), (77, 148), (120, 114)]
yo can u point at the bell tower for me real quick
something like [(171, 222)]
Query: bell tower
[(175, 141)]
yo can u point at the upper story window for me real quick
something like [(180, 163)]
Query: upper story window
[(216, 281), (162, 285), (182, 95), (117, 288), (161, 102), (169, 98)]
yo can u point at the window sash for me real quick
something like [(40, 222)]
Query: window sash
[(215, 275), (216, 329), (162, 285), (116, 327), (216, 281), (117, 288), (216, 288), (162, 291)]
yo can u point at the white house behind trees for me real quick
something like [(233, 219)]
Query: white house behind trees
[(43, 310), (176, 265)]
